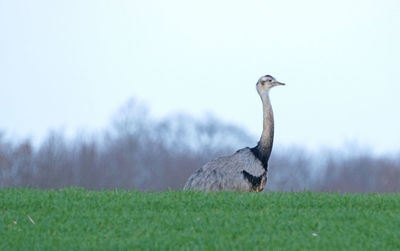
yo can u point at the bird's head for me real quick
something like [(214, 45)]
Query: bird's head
[(265, 83)]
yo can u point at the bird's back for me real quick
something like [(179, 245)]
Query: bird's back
[(241, 171)]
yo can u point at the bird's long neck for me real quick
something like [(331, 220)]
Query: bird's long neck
[(267, 137)]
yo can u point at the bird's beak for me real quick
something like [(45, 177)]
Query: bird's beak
[(278, 83)]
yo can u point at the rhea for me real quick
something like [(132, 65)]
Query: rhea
[(246, 169)]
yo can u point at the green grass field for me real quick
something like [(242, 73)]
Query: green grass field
[(71, 219)]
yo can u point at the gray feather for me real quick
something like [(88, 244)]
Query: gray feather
[(226, 173)]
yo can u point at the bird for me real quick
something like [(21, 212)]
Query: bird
[(246, 169)]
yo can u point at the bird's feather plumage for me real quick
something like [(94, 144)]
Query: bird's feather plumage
[(241, 171)]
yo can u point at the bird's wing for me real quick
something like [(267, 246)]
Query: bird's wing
[(230, 172)]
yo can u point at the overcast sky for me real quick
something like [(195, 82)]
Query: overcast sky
[(71, 64)]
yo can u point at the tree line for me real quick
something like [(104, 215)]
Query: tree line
[(143, 153)]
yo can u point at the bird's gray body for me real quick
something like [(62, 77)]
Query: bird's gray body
[(232, 172), (245, 170)]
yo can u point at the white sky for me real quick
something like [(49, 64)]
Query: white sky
[(71, 64)]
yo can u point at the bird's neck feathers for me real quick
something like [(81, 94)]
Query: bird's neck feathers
[(264, 146)]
